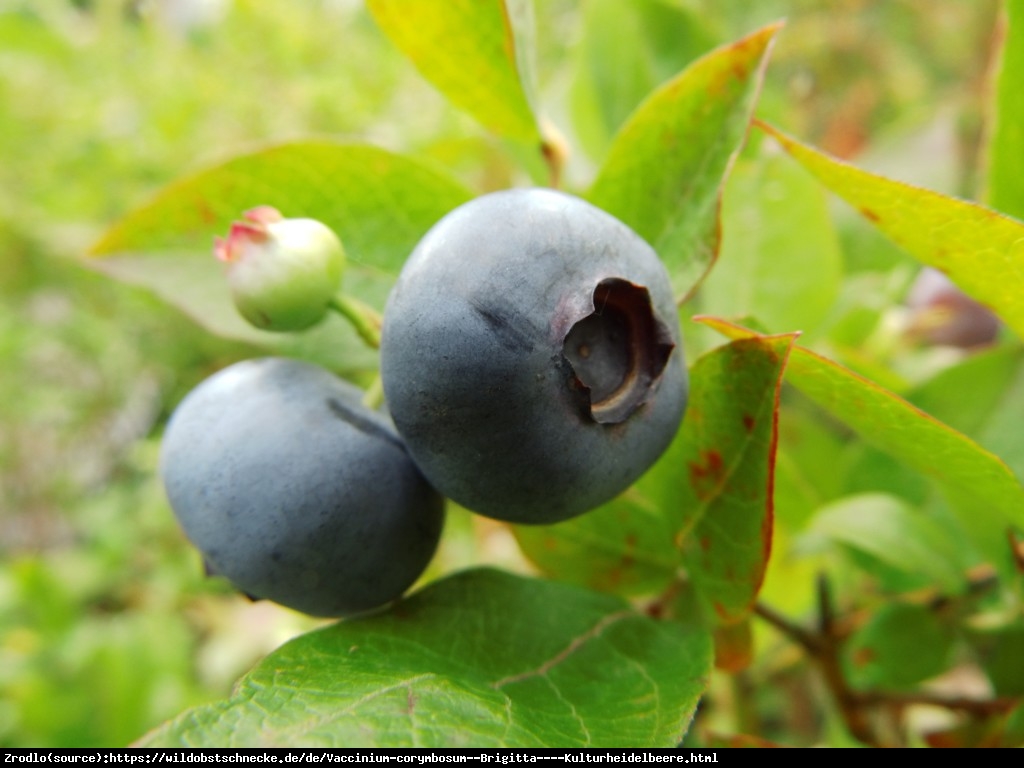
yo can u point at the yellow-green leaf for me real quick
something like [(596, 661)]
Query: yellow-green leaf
[(664, 172), (476, 52), (981, 250), (1006, 147), (379, 203)]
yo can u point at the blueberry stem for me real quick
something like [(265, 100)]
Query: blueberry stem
[(554, 151), (374, 397), (364, 318)]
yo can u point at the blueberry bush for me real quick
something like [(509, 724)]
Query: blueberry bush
[(726, 414)]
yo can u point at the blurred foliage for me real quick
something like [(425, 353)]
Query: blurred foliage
[(107, 626)]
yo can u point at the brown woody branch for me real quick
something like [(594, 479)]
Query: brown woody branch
[(824, 646)]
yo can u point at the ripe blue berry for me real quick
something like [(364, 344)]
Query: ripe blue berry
[(295, 491), (531, 356)]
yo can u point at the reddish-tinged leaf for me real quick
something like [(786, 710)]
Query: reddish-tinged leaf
[(739, 741), (981, 250), (714, 479), (664, 172), (624, 547), (987, 493), (991, 732), (721, 487), (734, 646)]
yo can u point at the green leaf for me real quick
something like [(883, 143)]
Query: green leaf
[(983, 396), (665, 169), (380, 204), (712, 486), (896, 534), (377, 201), (809, 468), (478, 53), (1013, 732), (870, 470), (989, 497), (901, 645), (1002, 433), (724, 497), (1000, 650), (1006, 145), (480, 659), (784, 275), (625, 546), (969, 394), (980, 250), (625, 50)]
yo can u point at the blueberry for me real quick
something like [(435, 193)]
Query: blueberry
[(531, 357), (295, 491)]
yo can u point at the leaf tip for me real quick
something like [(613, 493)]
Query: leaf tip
[(771, 130), (737, 330), (760, 38), (104, 244)]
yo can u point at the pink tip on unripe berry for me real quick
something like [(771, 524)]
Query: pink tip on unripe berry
[(282, 272), (263, 214), (230, 248)]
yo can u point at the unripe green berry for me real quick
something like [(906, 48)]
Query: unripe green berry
[(282, 272)]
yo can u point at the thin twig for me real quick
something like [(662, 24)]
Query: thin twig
[(826, 612), (1017, 548), (973, 706), (824, 648), (849, 702), (807, 640)]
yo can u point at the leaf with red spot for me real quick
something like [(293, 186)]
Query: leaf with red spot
[(981, 250), (625, 546), (734, 646), (723, 499), (901, 645), (706, 503), (985, 493)]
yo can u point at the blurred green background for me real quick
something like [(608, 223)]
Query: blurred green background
[(107, 625)]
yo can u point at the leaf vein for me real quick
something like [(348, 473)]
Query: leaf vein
[(574, 645)]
